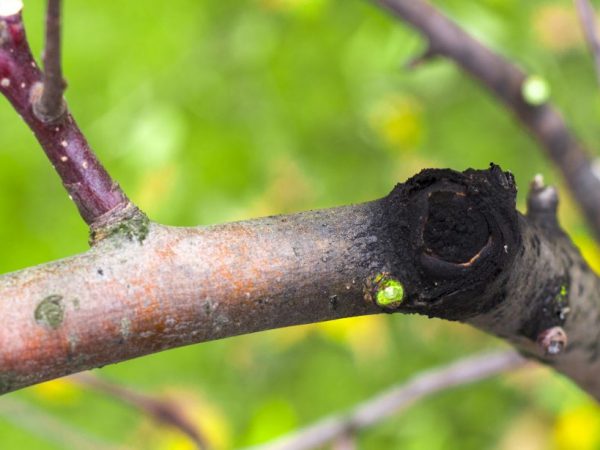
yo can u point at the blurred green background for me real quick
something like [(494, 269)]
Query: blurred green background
[(217, 111)]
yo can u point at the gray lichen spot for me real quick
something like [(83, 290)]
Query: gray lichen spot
[(73, 341), (209, 307), (50, 312), (125, 328), (76, 304)]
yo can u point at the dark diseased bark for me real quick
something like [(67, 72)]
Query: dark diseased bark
[(444, 244), (452, 237)]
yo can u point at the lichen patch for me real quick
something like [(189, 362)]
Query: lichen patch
[(50, 312)]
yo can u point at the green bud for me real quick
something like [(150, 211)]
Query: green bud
[(390, 293), (535, 90)]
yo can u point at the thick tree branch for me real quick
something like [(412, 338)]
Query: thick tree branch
[(505, 80), (100, 200), (587, 17), (443, 244), (395, 399)]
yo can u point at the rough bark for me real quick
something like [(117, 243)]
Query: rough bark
[(444, 244)]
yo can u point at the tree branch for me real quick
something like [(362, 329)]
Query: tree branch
[(162, 411), (49, 106), (100, 200), (395, 399), (444, 244), (49, 428), (505, 80), (587, 17)]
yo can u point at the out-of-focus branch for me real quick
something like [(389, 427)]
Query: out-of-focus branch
[(505, 80), (397, 398), (163, 411), (48, 428), (587, 17), (345, 442), (49, 106), (100, 200)]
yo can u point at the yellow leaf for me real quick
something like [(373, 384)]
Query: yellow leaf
[(589, 250), (61, 391), (556, 27), (398, 121), (578, 428), (367, 336)]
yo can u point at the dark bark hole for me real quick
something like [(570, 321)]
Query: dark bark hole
[(455, 231)]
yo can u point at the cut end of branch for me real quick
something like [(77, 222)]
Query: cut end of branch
[(10, 7), (453, 235)]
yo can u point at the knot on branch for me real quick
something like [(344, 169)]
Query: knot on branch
[(452, 236)]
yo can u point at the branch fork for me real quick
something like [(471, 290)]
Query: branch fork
[(38, 97)]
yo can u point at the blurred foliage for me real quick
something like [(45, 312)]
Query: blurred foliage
[(215, 111)]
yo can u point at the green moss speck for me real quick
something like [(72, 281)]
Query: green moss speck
[(134, 229), (562, 294), (50, 312)]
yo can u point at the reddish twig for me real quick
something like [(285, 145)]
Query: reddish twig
[(49, 106), (505, 80), (98, 198), (587, 17), (163, 411), (396, 399)]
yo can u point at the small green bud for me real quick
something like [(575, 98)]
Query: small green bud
[(535, 90), (563, 291), (390, 293)]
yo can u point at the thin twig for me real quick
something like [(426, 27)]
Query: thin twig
[(345, 442), (100, 200), (50, 106), (587, 17), (47, 427), (392, 401), (163, 411), (428, 54), (505, 80)]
